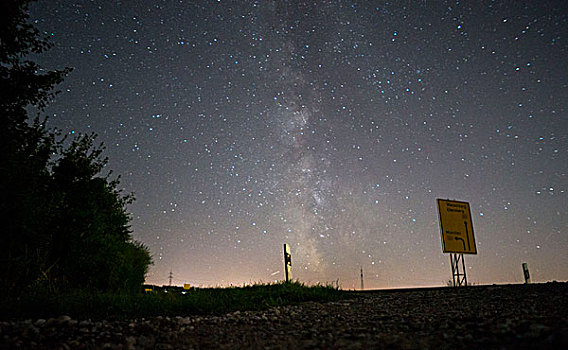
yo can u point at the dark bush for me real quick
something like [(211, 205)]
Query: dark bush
[(65, 225)]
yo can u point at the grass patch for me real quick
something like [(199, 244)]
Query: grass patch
[(82, 304)]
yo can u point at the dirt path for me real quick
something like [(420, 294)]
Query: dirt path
[(503, 317)]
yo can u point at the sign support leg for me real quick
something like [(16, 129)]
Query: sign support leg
[(459, 278)]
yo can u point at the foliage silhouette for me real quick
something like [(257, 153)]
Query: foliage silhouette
[(64, 225)]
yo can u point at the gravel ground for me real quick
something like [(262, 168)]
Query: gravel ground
[(483, 317)]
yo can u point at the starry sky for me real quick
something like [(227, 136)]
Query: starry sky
[(332, 126)]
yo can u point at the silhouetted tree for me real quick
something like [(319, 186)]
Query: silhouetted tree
[(62, 222), (91, 242), (25, 147)]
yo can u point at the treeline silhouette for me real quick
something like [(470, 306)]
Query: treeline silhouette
[(64, 224)]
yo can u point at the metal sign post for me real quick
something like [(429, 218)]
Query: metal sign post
[(458, 278), (456, 227), (287, 263)]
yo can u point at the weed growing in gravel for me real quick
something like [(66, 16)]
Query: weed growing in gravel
[(83, 304)]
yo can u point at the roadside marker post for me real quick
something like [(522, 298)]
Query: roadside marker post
[(456, 228), (526, 273), (287, 263), (362, 281)]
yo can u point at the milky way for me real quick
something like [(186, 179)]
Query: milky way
[(332, 126)]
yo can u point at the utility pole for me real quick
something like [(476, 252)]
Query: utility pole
[(362, 283), (171, 275)]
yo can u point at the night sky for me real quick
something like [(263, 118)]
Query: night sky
[(332, 126)]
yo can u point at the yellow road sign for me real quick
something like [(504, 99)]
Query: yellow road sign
[(456, 227)]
